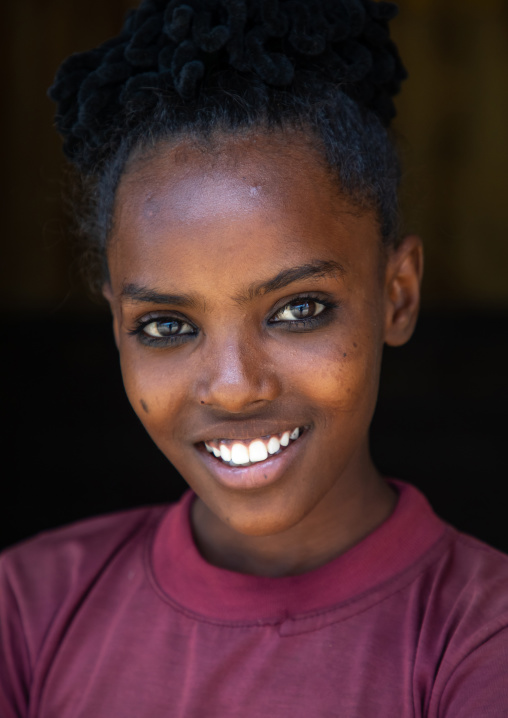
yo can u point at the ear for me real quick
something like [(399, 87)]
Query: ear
[(107, 293), (403, 279)]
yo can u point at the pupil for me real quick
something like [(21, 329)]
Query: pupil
[(302, 310), (167, 328)]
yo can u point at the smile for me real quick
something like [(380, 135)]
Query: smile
[(245, 453)]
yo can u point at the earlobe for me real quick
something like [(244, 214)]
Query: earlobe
[(404, 271), (107, 293)]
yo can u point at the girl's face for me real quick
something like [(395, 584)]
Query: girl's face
[(252, 301)]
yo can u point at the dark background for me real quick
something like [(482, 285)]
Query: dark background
[(72, 445)]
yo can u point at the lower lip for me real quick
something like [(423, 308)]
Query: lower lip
[(256, 476)]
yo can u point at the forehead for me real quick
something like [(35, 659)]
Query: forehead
[(236, 174), (248, 197)]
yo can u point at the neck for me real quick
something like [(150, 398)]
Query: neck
[(344, 516)]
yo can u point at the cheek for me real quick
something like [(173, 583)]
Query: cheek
[(339, 376), (151, 389)]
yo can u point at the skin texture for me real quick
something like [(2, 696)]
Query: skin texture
[(211, 226)]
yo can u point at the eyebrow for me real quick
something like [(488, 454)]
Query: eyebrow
[(138, 293), (318, 268)]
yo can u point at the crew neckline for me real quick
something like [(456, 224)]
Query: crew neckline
[(195, 586)]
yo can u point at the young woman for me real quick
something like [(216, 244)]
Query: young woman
[(242, 188)]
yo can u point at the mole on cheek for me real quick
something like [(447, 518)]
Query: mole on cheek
[(143, 404)]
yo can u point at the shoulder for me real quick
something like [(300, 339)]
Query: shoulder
[(475, 575), (453, 612), (43, 572), (92, 530), (452, 570), (462, 594), (471, 678), (482, 559), (463, 637), (44, 582)]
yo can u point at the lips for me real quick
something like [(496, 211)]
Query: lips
[(237, 471)]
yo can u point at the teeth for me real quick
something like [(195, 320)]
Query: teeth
[(225, 452), (273, 445), (257, 451), (239, 454)]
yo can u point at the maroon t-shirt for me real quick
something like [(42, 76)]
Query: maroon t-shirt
[(120, 617)]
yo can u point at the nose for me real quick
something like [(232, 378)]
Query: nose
[(236, 375)]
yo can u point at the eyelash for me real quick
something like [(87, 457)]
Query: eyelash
[(296, 325), (308, 323)]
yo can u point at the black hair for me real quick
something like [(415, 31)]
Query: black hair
[(192, 68)]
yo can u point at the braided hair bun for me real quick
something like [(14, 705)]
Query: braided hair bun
[(187, 50)]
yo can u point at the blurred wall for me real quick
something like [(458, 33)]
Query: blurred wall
[(35, 36), (453, 120), (453, 114)]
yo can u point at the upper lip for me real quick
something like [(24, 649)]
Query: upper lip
[(246, 430)]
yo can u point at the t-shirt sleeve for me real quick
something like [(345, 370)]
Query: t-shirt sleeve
[(14, 659), (478, 687)]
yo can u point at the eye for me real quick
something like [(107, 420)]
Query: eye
[(163, 328), (298, 310), (163, 331)]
